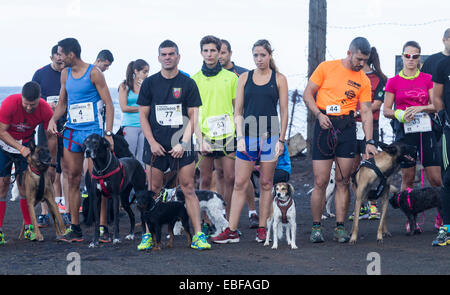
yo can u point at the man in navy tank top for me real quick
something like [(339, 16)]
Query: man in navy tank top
[(83, 93)]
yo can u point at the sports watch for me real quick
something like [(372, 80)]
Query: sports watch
[(371, 141), (108, 133)]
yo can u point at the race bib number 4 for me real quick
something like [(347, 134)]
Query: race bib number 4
[(333, 109), (169, 114), (219, 125), (81, 113), (420, 123)]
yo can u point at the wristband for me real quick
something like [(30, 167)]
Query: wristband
[(22, 149), (400, 115), (184, 145), (282, 141)]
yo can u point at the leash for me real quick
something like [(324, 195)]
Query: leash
[(61, 135), (332, 142)]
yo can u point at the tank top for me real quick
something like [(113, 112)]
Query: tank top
[(131, 119), (260, 107), (83, 102)]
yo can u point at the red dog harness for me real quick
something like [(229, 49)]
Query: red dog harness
[(101, 180), (284, 207)]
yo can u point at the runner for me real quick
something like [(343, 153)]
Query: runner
[(431, 63), (410, 94), (104, 60), (225, 61), (377, 81), (339, 85), (83, 93), (216, 131), (168, 106), (20, 114), (259, 136), (49, 79), (137, 71), (441, 102)]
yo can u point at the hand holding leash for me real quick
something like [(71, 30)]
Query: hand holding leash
[(52, 127), (157, 149), (324, 121), (177, 151)]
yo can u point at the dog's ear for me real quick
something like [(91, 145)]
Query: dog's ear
[(105, 143), (32, 145), (390, 149), (290, 189), (274, 191)]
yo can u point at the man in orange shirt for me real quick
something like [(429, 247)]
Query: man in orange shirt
[(332, 93)]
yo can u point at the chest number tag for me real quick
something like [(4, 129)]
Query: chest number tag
[(420, 123), (333, 109), (169, 114), (82, 113)]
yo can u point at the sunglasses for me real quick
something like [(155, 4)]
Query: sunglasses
[(413, 56)]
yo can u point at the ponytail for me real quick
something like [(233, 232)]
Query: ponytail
[(136, 65)]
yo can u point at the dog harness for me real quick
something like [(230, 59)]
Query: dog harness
[(101, 179), (284, 207), (408, 198), (370, 163)]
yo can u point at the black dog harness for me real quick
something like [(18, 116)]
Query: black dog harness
[(370, 163), (101, 179)]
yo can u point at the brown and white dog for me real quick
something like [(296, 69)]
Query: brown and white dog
[(283, 215)]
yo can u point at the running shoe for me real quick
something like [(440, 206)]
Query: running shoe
[(29, 233), (2, 238), (43, 220), (227, 236), (373, 212), (104, 237), (72, 235), (254, 220), (261, 234), (341, 235), (316, 234), (442, 238), (199, 242), (363, 213), (146, 242)]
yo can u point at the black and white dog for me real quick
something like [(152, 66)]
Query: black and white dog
[(210, 202), (283, 216), (414, 201), (111, 178)]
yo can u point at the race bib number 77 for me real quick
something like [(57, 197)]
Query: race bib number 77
[(169, 114)]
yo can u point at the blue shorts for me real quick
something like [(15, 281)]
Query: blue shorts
[(7, 159), (73, 139), (259, 149)]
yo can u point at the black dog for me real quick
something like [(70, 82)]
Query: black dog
[(158, 213), (112, 178), (412, 202)]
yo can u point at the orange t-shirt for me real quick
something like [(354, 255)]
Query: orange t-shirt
[(340, 89)]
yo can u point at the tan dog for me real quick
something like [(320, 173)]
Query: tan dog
[(372, 181), (39, 188)]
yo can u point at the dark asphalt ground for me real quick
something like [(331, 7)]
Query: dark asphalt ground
[(400, 254)]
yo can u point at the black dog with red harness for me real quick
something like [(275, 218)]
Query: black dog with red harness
[(111, 178)]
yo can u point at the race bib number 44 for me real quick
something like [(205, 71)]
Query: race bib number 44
[(421, 123), (81, 113), (333, 109), (169, 114)]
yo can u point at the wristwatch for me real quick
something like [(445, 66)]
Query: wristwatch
[(371, 141), (108, 133), (184, 145)]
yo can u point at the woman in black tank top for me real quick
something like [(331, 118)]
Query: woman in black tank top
[(258, 93)]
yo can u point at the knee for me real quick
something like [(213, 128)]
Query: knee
[(321, 183), (205, 179), (240, 185), (229, 179)]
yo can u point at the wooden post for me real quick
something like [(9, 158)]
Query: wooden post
[(316, 51)]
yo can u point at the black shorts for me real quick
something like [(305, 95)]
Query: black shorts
[(222, 148), (326, 146), (361, 144), (280, 176), (163, 163), (430, 149)]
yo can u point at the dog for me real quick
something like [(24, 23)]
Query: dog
[(39, 188), (372, 181), (414, 201), (112, 178), (210, 202), (283, 215), (157, 213)]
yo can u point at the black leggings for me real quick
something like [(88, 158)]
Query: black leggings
[(445, 191)]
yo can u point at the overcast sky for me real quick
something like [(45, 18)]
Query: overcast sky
[(133, 29)]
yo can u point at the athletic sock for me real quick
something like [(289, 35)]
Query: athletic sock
[(25, 212), (250, 212), (339, 224), (2, 211), (316, 224)]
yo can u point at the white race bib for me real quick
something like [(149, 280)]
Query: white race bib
[(7, 148), (82, 113), (420, 123), (53, 99), (359, 131), (333, 109), (219, 125), (169, 114)]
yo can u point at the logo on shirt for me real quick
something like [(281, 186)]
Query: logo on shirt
[(350, 94), (176, 92), (353, 84)]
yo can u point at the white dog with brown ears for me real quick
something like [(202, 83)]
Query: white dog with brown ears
[(283, 215)]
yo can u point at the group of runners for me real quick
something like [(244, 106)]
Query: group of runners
[(239, 119)]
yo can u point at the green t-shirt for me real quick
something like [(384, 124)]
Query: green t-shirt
[(216, 114)]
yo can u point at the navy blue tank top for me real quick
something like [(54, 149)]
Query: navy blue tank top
[(260, 107)]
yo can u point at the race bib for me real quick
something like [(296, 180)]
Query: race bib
[(169, 114), (9, 149), (81, 113), (359, 131), (53, 99), (333, 109), (420, 123), (219, 125)]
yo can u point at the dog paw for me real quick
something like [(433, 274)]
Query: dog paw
[(275, 247), (293, 247), (266, 243), (352, 241), (129, 237), (116, 241), (93, 245)]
